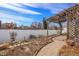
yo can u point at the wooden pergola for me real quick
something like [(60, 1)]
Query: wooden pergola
[(59, 18), (71, 15)]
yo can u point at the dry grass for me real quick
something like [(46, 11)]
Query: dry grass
[(69, 51), (4, 46), (27, 49)]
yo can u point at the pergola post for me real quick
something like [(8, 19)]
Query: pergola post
[(77, 32), (47, 28), (67, 29), (60, 27)]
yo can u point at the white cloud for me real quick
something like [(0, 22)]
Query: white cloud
[(11, 18), (32, 4), (15, 4), (27, 11), (48, 6)]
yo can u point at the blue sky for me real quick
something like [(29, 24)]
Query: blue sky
[(26, 13)]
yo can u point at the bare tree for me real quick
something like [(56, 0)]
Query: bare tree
[(13, 36)]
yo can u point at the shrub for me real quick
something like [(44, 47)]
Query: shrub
[(32, 37)]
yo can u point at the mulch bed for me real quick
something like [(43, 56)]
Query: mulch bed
[(27, 49), (69, 51)]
